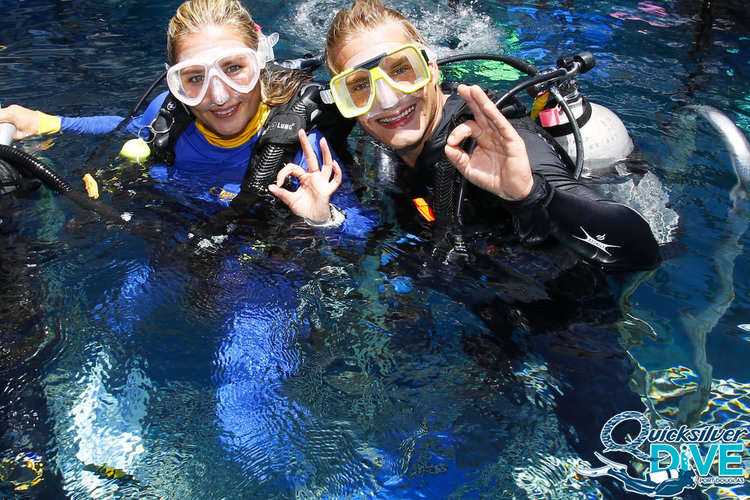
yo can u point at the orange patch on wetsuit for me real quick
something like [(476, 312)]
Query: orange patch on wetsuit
[(424, 209)]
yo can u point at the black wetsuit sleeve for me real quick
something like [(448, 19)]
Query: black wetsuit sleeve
[(601, 230)]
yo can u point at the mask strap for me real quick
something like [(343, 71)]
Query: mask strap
[(265, 47), (431, 55)]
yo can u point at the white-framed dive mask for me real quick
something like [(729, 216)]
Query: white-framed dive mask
[(239, 68)]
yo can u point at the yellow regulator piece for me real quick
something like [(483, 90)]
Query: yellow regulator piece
[(92, 188), (539, 103), (107, 472), (136, 150)]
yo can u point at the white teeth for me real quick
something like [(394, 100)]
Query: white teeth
[(225, 112), (397, 117)]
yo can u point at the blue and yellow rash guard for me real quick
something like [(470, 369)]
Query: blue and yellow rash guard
[(204, 172)]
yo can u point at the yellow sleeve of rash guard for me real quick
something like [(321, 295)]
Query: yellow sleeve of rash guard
[(48, 124)]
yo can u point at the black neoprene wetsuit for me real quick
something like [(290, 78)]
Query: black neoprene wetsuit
[(605, 233)]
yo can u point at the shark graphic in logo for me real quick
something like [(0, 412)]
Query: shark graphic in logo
[(596, 242), (663, 483)]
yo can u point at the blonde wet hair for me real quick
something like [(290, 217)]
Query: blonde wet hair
[(363, 16), (192, 17)]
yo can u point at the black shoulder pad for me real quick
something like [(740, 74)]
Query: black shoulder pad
[(170, 122), (281, 127), (285, 120)]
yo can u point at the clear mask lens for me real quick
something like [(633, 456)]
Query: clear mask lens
[(237, 68)]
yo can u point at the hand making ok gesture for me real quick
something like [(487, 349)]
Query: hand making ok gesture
[(499, 163), (312, 199)]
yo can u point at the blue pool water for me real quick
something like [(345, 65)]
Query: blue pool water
[(288, 366)]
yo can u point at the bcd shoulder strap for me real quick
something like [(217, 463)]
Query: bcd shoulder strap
[(170, 122)]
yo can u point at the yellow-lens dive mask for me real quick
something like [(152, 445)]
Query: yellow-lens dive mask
[(404, 68)]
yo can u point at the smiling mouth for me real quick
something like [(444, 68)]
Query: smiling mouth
[(396, 120), (223, 113)]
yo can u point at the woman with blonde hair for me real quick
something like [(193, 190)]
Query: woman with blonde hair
[(208, 128), (216, 116)]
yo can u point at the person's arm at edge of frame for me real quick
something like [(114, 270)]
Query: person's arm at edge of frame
[(29, 122), (607, 233)]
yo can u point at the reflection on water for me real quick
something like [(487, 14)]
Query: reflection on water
[(299, 368)]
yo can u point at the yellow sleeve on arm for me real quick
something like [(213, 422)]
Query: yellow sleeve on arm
[(48, 124)]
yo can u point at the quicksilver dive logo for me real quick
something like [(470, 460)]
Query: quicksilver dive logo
[(676, 458)]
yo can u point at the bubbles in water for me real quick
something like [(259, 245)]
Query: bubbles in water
[(450, 28), (456, 29), (102, 433), (310, 21), (649, 197)]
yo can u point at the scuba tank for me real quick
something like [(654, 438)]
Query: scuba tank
[(604, 135), (584, 132), (10, 179), (7, 131)]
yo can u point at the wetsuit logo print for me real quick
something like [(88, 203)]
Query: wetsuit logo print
[(223, 195), (678, 458), (596, 242)]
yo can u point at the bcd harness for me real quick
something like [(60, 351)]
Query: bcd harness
[(12, 180)]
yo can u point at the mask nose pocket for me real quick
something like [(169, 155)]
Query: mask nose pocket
[(219, 93), (386, 95)]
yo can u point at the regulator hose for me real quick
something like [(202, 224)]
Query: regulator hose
[(584, 61), (445, 178), (512, 61), (269, 161), (578, 168), (530, 82), (265, 164), (36, 168), (270, 156)]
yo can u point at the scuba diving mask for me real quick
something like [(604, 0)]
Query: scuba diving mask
[(239, 68), (405, 69)]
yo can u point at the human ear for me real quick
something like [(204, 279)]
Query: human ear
[(434, 71)]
